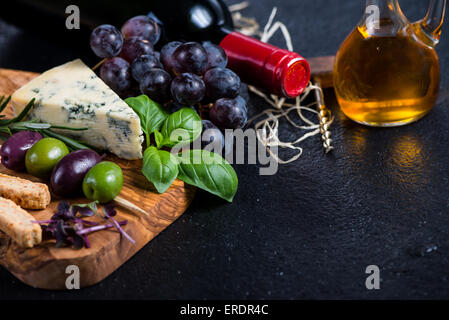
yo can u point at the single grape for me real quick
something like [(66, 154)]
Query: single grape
[(188, 89), (169, 48), (190, 57), (134, 91), (216, 56), (143, 64), (142, 27), (167, 55), (116, 73), (135, 47), (106, 41), (157, 54), (156, 85), (229, 113), (211, 136), (221, 83)]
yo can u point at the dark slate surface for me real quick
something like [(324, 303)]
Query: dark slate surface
[(309, 231)]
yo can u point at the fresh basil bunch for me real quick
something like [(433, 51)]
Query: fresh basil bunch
[(201, 168)]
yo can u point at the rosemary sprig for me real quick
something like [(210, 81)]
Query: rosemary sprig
[(4, 104), (24, 112), (71, 143), (9, 126)]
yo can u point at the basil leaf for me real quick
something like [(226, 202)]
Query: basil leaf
[(158, 138), (209, 171), (151, 114), (140, 106), (155, 117), (181, 128), (159, 167)]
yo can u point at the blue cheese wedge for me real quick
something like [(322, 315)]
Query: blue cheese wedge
[(73, 95)]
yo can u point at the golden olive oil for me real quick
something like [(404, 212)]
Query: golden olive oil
[(386, 80)]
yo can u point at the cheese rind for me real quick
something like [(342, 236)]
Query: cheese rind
[(73, 95)]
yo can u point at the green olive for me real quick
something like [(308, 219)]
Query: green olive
[(103, 182), (43, 156)]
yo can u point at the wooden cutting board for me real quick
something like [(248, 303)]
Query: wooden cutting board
[(45, 266)]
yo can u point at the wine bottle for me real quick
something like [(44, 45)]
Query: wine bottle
[(275, 70)]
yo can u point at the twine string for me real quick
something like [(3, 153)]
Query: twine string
[(267, 126)]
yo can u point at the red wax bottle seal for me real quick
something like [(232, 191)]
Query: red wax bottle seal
[(276, 70)]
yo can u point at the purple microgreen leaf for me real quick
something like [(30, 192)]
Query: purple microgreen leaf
[(123, 232), (78, 226), (63, 206), (78, 241), (43, 221), (69, 230), (101, 227), (86, 240), (47, 233), (86, 210), (64, 212), (60, 239), (109, 210), (73, 238), (60, 228)]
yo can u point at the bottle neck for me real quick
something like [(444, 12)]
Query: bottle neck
[(275, 70), (382, 18), (383, 5), (220, 33)]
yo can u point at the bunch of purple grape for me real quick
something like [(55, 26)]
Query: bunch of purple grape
[(182, 74)]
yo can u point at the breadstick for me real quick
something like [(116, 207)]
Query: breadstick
[(16, 223), (27, 194)]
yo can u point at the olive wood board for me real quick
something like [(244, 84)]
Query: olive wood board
[(45, 265)]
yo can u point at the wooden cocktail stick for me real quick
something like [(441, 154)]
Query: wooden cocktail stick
[(95, 67), (130, 206)]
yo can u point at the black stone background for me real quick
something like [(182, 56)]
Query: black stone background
[(380, 198)]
